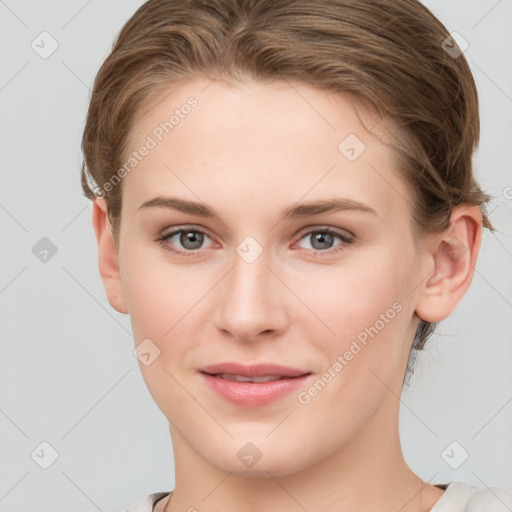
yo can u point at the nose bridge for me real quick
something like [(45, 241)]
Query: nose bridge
[(249, 302)]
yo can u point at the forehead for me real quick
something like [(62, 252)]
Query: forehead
[(275, 140)]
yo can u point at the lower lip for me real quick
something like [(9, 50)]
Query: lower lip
[(253, 394)]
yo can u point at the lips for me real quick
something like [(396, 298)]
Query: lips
[(254, 385)]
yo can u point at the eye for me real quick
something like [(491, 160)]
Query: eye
[(188, 240), (321, 240)]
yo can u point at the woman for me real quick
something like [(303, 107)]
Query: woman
[(285, 205)]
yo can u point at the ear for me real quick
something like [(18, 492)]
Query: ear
[(107, 256), (452, 258)]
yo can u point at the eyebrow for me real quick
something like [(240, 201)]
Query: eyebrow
[(296, 211)]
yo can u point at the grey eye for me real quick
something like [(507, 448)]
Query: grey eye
[(191, 240), (322, 239)]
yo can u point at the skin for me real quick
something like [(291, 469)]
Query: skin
[(248, 152)]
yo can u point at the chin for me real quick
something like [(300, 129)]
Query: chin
[(277, 461)]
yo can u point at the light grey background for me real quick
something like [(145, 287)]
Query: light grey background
[(68, 374)]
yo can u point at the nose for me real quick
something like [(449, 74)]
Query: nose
[(251, 302)]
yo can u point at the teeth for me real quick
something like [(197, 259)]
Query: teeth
[(242, 378)]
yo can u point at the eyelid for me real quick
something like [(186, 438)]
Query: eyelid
[(185, 227), (342, 233)]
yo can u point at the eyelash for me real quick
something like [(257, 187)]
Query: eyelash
[(194, 253)]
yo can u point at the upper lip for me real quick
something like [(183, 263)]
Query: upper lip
[(254, 370)]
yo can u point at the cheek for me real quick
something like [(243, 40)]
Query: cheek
[(160, 302), (353, 297), (366, 306), (158, 293)]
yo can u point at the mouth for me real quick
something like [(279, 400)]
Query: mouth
[(255, 385), (267, 370), (243, 378)]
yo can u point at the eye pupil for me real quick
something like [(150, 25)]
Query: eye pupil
[(191, 239), (324, 239)]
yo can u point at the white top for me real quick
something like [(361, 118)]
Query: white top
[(458, 497)]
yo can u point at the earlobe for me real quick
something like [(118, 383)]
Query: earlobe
[(453, 256), (107, 257)]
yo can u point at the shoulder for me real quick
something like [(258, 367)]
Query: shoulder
[(146, 503), (460, 497)]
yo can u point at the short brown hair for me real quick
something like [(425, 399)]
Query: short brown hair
[(389, 54)]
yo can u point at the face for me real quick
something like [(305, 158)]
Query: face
[(265, 226)]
